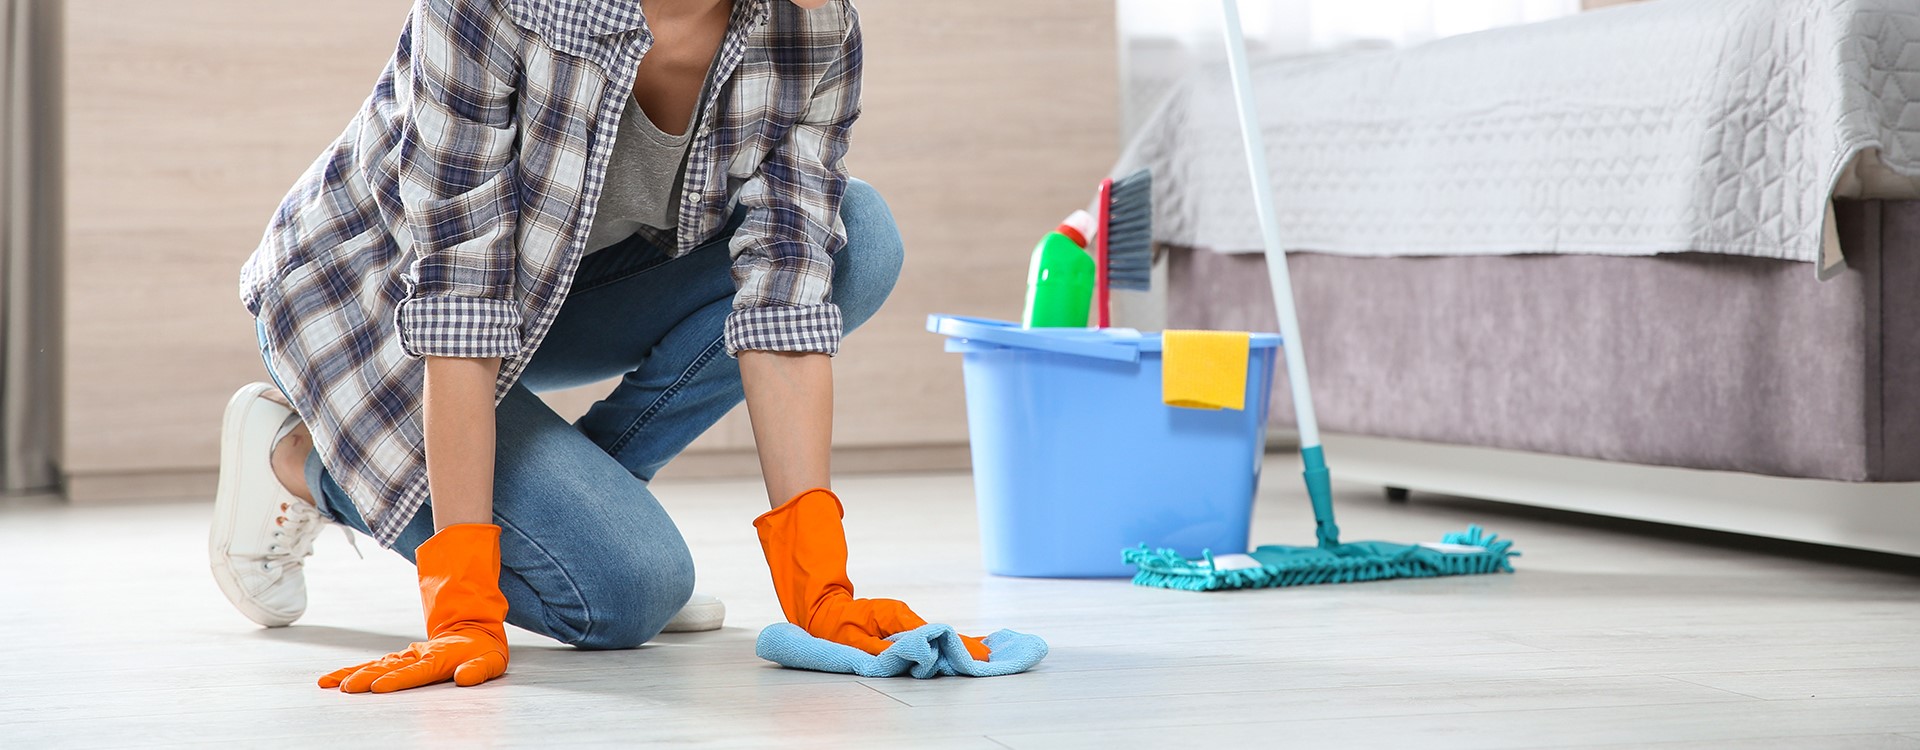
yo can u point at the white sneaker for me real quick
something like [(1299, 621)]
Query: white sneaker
[(702, 612), (261, 532)]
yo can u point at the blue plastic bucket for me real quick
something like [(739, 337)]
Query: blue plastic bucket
[(1075, 456)]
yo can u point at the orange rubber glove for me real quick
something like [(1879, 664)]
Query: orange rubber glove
[(466, 634), (806, 549)]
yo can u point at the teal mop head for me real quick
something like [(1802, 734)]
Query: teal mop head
[(1471, 552)]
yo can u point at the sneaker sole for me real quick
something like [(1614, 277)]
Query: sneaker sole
[(697, 618), (226, 509)]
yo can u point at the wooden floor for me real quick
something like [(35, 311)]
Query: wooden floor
[(115, 636)]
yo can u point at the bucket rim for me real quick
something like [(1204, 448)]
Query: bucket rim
[(1124, 344)]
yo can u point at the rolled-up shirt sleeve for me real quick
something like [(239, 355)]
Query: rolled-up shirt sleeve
[(457, 191), (783, 252)]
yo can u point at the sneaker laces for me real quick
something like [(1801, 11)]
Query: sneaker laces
[(299, 520), (353, 541), (295, 530)]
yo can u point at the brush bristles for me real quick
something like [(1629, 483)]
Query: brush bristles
[(1130, 232)]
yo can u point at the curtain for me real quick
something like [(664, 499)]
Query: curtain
[(29, 245)]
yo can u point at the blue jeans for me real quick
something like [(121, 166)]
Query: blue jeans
[(588, 556)]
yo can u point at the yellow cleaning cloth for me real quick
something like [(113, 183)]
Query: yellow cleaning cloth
[(1204, 369)]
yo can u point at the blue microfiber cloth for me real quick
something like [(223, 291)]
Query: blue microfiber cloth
[(925, 651)]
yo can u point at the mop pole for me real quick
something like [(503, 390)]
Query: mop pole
[(1318, 488)]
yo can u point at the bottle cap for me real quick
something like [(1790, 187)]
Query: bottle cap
[(1077, 227)]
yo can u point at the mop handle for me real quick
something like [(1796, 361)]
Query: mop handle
[(1310, 453), (1269, 226)]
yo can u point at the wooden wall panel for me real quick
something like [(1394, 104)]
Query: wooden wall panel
[(985, 121), (187, 121)]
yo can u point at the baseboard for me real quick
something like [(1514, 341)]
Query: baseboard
[(157, 486), (1882, 516), (175, 485)]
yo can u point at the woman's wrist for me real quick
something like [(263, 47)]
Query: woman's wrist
[(455, 512), (790, 403), (458, 407)]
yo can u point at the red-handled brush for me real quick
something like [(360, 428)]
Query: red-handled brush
[(1123, 247)]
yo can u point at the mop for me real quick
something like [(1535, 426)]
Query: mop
[(1469, 552)]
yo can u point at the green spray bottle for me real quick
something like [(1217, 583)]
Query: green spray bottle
[(1060, 276)]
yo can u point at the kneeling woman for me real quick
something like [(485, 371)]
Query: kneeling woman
[(539, 195)]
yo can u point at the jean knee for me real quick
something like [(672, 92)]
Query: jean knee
[(867, 267), (633, 597)]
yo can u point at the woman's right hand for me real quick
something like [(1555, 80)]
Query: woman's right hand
[(466, 619), (806, 549)]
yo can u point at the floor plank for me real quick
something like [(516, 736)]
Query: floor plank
[(1788, 684), (1824, 742), (1712, 724)]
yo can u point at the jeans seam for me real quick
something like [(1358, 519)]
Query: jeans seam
[(565, 575), (653, 409)]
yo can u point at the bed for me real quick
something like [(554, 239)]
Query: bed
[(1659, 261)]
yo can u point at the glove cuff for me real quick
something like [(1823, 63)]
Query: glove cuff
[(460, 580), (806, 548), (811, 503)]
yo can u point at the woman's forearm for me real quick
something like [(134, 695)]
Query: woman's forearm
[(790, 402), (459, 425)]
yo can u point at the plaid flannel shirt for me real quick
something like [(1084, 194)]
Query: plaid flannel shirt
[(449, 217)]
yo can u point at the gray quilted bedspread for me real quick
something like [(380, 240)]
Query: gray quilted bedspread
[(1718, 126)]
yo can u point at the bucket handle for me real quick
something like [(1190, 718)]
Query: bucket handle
[(1004, 334)]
